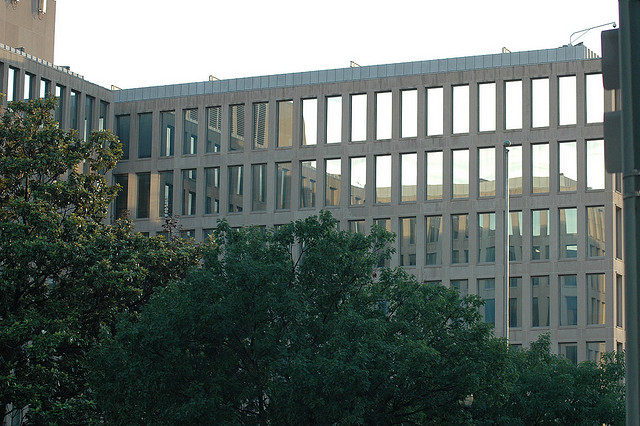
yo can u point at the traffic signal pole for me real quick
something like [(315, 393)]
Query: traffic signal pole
[(629, 53)]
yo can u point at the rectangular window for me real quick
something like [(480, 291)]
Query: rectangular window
[(433, 249), (89, 102), (595, 231), (189, 185), (619, 301), (460, 168), (434, 175), (595, 98), (540, 102), (144, 186), (144, 134), (595, 350), (383, 179), (358, 118), (214, 128), (460, 109), (486, 237), (74, 109), (357, 226), (540, 168), (334, 119), (568, 300), (260, 125), (358, 187), (487, 172), (308, 184), (409, 177), (619, 238), (123, 132), (515, 170), (167, 133), (462, 286), (190, 132), (45, 88), (487, 291), (515, 236), (459, 238), (435, 111), (540, 234), (567, 166), (258, 187), (212, 190), (568, 236), (567, 100), (385, 224), (283, 186), (236, 127), (285, 123), (513, 105), (569, 351), (165, 195), (309, 121), (59, 113), (120, 207), (407, 241), (383, 115), (235, 191), (540, 291), (595, 165), (12, 85), (595, 299), (29, 80), (332, 178), (486, 107), (515, 302), (409, 111), (102, 115)]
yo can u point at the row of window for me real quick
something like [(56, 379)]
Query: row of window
[(487, 98), (27, 86)]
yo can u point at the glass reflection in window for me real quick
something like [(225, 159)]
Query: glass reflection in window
[(486, 237), (258, 187), (540, 291), (567, 100), (383, 179), (540, 234), (459, 238), (434, 175), (486, 107), (332, 179), (568, 237), (540, 102), (409, 176), (409, 119), (540, 168), (283, 185), (383, 115), (461, 109), (285, 123), (433, 249), (513, 105), (435, 111), (334, 119), (358, 187), (309, 121), (568, 166), (190, 132), (461, 173), (358, 118), (595, 165), (260, 125), (214, 128), (308, 183), (487, 172)]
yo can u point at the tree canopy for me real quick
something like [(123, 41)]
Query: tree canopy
[(65, 273)]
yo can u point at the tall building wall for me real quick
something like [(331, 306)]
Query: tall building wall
[(29, 25)]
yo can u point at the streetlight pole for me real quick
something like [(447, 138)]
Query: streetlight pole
[(506, 146)]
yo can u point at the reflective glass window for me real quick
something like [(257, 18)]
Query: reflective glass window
[(409, 118), (332, 178), (461, 109), (540, 102), (358, 187), (29, 80), (515, 236), (383, 179), (567, 100), (434, 175), (167, 133), (568, 300), (45, 88), (357, 226), (513, 105), (308, 183), (569, 351), (235, 190), (595, 350), (595, 231), (214, 128), (462, 286), (12, 84), (190, 132), (89, 103), (515, 170), (283, 185), (212, 190), (165, 194), (433, 249), (358, 118), (515, 302), (409, 176), (74, 109), (486, 107), (595, 165), (189, 186), (258, 187), (486, 237), (596, 299), (540, 234), (383, 115), (260, 125), (407, 241), (309, 121), (568, 236), (144, 187), (540, 168), (567, 166), (144, 134), (59, 112), (123, 132), (236, 127), (487, 172), (102, 115), (334, 119), (386, 225), (540, 291), (285, 123), (595, 98), (487, 291), (460, 173), (120, 206), (619, 301), (435, 111), (460, 238)]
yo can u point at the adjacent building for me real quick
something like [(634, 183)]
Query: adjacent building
[(414, 147)]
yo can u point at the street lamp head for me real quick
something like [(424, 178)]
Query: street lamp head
[(507, 143)]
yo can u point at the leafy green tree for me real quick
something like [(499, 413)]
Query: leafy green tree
[(297, 326), (65, 274), (547, 389)]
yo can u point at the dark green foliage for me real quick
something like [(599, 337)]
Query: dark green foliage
[(64, 273), (296, 326)]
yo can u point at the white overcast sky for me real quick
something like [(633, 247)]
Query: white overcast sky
[(137, 43)]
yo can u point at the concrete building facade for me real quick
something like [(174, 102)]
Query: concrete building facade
[(414, 147)]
